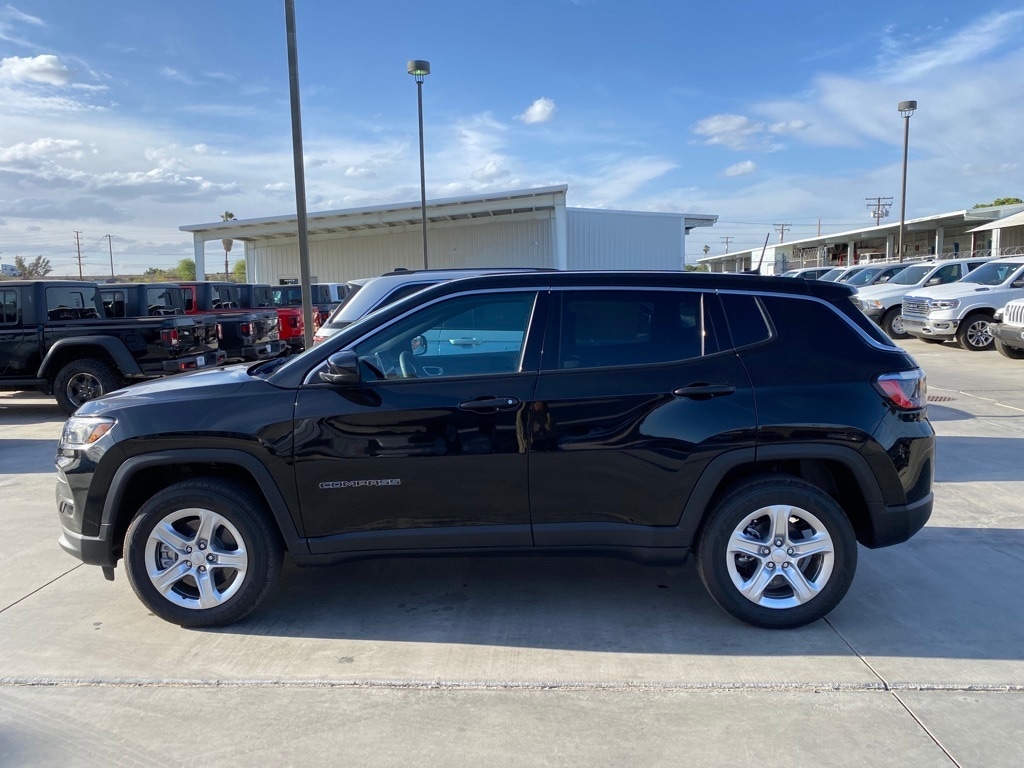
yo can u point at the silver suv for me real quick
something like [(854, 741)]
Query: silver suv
[(369, 294), (883, 303)]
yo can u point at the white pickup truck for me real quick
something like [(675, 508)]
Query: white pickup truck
[(964, 310)]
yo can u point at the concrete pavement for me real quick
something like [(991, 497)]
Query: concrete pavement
[(524, 661)]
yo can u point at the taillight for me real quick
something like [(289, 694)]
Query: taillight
[(220, 332), (296, 321), (907, 390), (170, 337), (246, 329)]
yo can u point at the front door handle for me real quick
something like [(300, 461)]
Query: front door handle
[(491, 404), (704, 391)]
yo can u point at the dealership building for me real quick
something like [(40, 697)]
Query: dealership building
[(522, 228)]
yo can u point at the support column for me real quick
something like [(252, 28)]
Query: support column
[(850, 248), (199, 251), (938, 242), (561, 236), (997, 242)]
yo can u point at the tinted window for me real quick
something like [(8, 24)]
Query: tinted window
[(114, 303), (163, 301), (993, 273), (615, 328), (466, 335), (948, 274), (910, 276), (746, 320), (73, 302), (9, 310)]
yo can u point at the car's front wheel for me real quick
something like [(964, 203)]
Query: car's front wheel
[(777, 552), (202, 553), (1014, 353), (892, 324), (974, 334)]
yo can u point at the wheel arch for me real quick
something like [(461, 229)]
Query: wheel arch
[(106, 348), (840, 472), (140, 477)]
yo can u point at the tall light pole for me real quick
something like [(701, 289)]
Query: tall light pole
[(906, 109), (420, 69)]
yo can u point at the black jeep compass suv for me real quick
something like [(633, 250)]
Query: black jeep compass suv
[(764, 424)]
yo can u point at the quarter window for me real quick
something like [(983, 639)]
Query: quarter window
[(746, 319)]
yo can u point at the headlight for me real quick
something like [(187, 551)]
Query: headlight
[(83, 431), (997, 317), (944, 303), (873, 304)]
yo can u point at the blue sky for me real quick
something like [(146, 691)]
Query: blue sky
[(131, 119)]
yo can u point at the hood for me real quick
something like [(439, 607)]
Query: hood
[(953, 290), (884, 291), (212, 382)]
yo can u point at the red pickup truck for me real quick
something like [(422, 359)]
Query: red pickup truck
[(292, 327)]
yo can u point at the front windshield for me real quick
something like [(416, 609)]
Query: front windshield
[(832, 274), (910, 276), (865, 276), (993, 273)]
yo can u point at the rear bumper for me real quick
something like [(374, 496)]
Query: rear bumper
[(192, 362), (263, 351), (894, 525)]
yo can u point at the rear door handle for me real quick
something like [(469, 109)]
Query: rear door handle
[(491, 404), (704, 391)]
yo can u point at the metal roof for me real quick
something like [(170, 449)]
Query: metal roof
[(395, 215), (1010, 221), (385, 216)]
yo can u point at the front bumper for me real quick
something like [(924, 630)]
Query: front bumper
[(93, 550), (1010, 335), (930, 327)]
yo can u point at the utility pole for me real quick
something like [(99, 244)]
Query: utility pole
[(78, 245), (110, 248), (819, 226), (781, 229), (727, 240), (880, 207)]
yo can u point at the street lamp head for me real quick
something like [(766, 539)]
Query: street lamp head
[(419, 69), (906, 108)]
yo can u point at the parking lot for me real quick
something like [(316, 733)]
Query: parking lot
[(524, 661)]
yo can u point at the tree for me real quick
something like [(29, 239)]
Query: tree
[(186, 269), (1000, 201), (226, 216), (238, 271), (38, 267)]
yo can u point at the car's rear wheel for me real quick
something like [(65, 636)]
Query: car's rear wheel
[(974, 334), (892, 324), (777, 552), (202, 553), (80, 381)]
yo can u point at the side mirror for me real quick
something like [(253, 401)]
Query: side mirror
[(418, 345), (1017, 283), (342, 368), (934, 281)]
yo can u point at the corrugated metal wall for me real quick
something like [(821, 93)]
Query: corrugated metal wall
[(514, 243), (624, 240)]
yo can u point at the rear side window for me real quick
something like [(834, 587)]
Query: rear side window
[(76, 302), (10, 311), (746, 319), (633, 327), (163, 301), (114, 303)]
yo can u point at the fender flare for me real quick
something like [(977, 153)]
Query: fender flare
[(711, 479), (113, 346), (295, 543)]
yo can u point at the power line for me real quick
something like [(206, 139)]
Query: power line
[(781, 229)]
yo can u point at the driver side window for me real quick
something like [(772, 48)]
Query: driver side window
[(472, 335)]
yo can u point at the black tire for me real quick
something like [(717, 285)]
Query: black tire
[(892, 324), (1014, 353), (973, 333), (200, 519), (82, 380), (737, 549)]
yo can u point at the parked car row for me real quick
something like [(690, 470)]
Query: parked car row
[(978, 302)]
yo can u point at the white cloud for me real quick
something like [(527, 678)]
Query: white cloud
[(541, 111), (359, 173), (732, 131), (788, 126), (743, 168), (11, 17), (45, 68), (491, 171), (40, 149), (173, 74)]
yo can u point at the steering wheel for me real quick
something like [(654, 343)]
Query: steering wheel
[(407, 366)]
